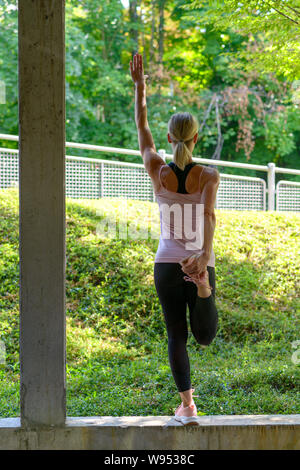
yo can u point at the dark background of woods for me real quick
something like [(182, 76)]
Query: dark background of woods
[(245, 116)]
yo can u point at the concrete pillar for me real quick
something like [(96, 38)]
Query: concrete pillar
[(42, 210)]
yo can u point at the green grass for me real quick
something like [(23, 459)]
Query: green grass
[(117, 362)]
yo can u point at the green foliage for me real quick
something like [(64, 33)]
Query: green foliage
[(272, 28), (117, 360), (9, 67), (205, 54)]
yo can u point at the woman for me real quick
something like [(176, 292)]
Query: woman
[(180, 184)]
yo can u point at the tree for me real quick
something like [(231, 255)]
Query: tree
[(270, 27), (134, 20), (153, 30), (244, 115)]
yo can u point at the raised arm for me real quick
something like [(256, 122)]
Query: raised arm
[(152, 160)]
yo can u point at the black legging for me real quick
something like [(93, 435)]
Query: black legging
[(174, 294)]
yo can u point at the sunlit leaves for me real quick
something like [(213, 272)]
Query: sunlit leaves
[(277, 21)]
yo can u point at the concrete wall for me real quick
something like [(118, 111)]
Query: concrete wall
[(157, 433)]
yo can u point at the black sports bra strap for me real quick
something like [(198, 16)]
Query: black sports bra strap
[(181, 175)]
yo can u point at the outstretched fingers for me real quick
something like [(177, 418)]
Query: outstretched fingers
[(137, 68)]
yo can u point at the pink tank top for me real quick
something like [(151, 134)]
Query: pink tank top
[(181, 225)]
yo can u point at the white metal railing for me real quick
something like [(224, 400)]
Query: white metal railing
[(241, 193), (288, 196), (94, 178), (9, 168)]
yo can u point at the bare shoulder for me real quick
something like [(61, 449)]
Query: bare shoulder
[(210, 175)]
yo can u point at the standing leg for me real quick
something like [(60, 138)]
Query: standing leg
[(169, 284)]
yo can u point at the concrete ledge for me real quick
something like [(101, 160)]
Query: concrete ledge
[(241, 432)]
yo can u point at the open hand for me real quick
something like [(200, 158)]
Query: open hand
[(137, 69)]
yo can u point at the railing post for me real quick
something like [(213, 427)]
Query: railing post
[(271, 186), (101, 179)]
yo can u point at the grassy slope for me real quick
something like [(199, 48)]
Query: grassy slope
[(117, 361)]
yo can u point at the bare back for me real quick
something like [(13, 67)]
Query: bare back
[(170, 182)]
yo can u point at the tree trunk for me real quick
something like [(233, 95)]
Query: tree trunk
[(133, 32), (144, 51), (104, 52), (161, 5), (151, 47)]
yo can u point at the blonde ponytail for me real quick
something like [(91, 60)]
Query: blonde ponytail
[(182, 128)]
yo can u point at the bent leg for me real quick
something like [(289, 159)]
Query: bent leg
[(203, 312)]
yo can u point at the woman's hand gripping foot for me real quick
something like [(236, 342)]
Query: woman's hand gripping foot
[(200, 279)]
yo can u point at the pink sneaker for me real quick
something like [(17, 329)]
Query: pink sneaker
[(187, 415)]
